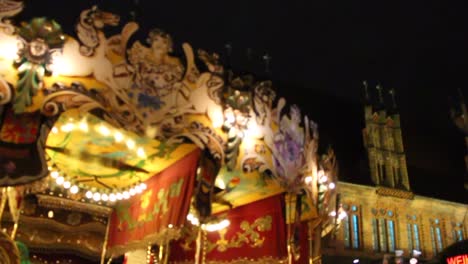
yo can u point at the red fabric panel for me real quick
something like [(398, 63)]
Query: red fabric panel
[(257, 230), (165, 201)]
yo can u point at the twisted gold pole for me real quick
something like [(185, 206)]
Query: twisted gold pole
[(106, 238), (311, 241), (3, 203)]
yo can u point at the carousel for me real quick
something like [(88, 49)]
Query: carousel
[(112, 150)]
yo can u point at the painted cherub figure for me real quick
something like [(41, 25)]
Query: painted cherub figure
[(157, 75)]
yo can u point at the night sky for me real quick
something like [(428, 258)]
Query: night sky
[(321, 52)]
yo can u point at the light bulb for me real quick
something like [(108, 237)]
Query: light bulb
[(74, 189), (96, 196), (60, 180), (66, 185), (118, 136), (54, 174)]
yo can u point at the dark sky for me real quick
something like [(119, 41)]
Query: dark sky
[(321, 52)]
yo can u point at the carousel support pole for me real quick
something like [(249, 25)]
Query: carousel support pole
[(13, 232), (318, 244), (163, 254), (16, 219), (204, 247), (199, 246), (290, 225), (3, 203), (106, 238), (310, 238)]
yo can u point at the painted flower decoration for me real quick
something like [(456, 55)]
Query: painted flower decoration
[(40, 39)]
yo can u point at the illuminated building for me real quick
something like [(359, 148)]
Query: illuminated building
[(388, 217)]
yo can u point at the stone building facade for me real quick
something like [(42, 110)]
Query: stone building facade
[(379, 224), (388, 217)]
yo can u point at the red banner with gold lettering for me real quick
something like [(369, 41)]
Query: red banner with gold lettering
[(156, 215), (256, 232)]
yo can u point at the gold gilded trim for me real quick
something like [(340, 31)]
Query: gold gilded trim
[(395, 193), (62, 203)]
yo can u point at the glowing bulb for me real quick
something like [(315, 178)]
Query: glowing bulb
[(333, 213), (308, 179), (323, 179), (54, 174), (331, 186), (83, 126), (126, 195), (74, 189), (119, 196), (356, 261), (50, 214), (112, 197), (218, 226), (413, 261), (104, 130), (138, 189), (190, 217), (60, 180), (141, 152), (130, 144), (170, 226), (96, 196), (220, 183), (104, 197), (89, 194), (132, 191), (67, 127), (66, 185), (118, 136), (55, 130), (143, 186)]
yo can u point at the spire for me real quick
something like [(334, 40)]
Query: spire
[(379, 89), (366, 92), (135, 9), (392, 94), (228, 48), (267, 59)]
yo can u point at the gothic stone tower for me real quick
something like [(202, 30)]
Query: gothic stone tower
[(384, 144), (460, 118)]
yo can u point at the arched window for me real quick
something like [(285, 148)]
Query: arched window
[(457, 232), (436, 235), (414, 241), (351, 227), (384, 233)]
